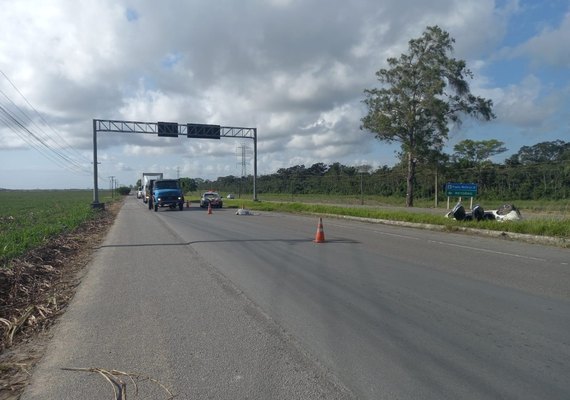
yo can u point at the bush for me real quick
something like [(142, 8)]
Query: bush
[(124, 190)]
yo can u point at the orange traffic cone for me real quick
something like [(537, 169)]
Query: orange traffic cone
[(320, 236), (209, 208)]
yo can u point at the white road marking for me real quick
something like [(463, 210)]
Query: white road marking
[(487, 250), (451, 244)]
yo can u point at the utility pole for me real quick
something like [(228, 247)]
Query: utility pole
[(95, 204), (361, 170), (112, 178), (361, 191)]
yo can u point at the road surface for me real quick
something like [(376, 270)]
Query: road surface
[(230, 307)]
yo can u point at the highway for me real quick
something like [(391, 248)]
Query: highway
[(229, 307)]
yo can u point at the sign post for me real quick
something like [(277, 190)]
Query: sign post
[(460, 190)]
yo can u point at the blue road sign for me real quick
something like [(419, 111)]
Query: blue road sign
[(460, 189)]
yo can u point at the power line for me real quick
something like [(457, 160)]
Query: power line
[(15, 119), (40, 144), (67, 145), (17, 127)]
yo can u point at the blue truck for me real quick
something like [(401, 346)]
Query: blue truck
[(166, 193)]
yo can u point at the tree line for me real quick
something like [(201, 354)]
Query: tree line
[(541, 171)]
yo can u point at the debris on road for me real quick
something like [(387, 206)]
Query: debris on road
[(243, 211)]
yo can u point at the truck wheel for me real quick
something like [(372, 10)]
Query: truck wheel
[(155, 207), (150, 205)]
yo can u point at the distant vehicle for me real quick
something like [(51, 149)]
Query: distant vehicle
[(140, 193), (146, 188), (167, 193), (211, 198), (231, 196)]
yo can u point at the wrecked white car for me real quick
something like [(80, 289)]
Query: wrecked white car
[(506, 212)]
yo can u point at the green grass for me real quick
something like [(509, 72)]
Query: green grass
[(555, 227), (29, 218), (545, 206), (344, 199)]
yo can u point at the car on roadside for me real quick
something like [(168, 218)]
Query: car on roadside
[(231, 196), (140, 193), (211, 198)]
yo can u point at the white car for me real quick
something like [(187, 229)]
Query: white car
[(212, 199), (230, 196)]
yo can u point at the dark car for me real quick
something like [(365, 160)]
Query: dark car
[(211, 198)]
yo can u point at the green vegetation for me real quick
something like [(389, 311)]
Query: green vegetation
[(422, 93), (545, 226), (29, 218), (124, 190), (539, 173)]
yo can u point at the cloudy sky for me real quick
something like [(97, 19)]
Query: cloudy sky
[(294, 69)]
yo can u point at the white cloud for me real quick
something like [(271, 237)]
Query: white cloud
[(296, 70), (526, 104), (477, 26), (550, 47)]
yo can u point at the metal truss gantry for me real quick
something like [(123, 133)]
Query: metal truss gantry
[(152, 128)]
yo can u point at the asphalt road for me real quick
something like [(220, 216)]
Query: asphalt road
[(231, 307)]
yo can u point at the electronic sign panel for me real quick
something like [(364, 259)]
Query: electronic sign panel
[(203, 131), (168, 129)]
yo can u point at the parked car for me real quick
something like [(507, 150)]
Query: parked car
[(231, 196), (211, 198)]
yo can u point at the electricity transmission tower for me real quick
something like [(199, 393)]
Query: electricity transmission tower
[(243, 152)]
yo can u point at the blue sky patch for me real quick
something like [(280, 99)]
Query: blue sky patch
[(170, 60), (132, 15)]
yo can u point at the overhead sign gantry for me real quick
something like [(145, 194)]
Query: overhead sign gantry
[(170, 129)]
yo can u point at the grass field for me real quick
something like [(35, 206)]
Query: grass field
[(29, 218), (550, 218), (541, 206)]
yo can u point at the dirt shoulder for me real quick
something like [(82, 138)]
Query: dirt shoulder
[(35, 290)]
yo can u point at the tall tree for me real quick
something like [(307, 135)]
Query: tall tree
[(477, 151), (318, 169), (542, 152), (423, 91)]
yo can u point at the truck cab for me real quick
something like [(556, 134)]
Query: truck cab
[(166, 193)]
